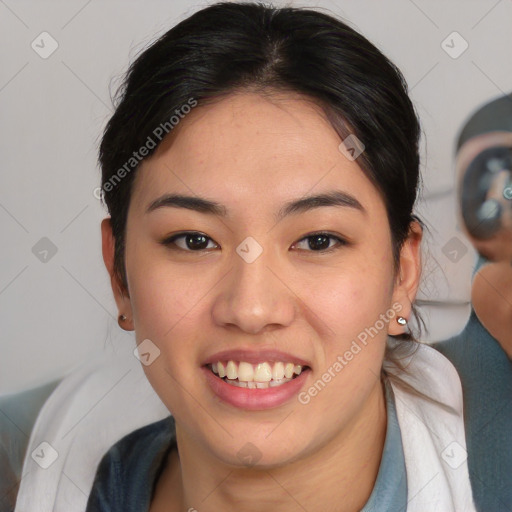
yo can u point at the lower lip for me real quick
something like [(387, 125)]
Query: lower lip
[(254, 399)]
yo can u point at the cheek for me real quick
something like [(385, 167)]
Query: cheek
[(351, 297), (168, 306), (162, 294), (354, 303), (357, 338)]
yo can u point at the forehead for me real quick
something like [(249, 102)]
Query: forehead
[(252, 150)]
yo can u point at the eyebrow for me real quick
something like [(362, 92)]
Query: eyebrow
[(202, 205)]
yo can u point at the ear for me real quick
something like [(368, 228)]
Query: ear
[(408, 277), (120, 294)]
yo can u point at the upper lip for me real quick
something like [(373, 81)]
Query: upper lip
[(255, 356)]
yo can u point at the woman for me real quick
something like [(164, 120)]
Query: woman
[(260, 171)]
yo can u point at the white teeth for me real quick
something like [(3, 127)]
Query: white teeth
[(258, 385), (262, 373), (245, 372), (275, 383), (231, 372), (278, 371)]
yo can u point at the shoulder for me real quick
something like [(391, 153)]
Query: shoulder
[(125, 475)]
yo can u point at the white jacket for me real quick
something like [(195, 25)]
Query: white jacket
[(96, 406)]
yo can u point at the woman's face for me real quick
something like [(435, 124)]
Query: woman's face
[(251, 287)]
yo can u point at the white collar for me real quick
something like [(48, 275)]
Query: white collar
[(433, 434)]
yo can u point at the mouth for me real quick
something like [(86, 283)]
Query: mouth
[(267, 374), (251, 380)]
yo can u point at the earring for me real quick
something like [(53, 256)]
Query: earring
[(401, 320), (120, 319)]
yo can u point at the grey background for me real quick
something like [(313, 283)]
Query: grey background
[(55, 314)]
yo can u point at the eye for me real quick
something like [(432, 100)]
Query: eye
[(320, 242), (191, 241)]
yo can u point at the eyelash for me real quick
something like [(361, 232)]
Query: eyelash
[(168, 242)]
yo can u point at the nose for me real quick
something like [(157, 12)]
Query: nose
[(254, 297)]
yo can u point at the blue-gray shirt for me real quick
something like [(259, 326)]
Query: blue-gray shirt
[(127, 474)]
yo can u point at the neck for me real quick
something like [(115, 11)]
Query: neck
[(338, 477)]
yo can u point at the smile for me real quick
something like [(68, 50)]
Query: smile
[(256, 376), (255, 386)]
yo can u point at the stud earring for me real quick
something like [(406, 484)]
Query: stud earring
[(401, 320), (120, 320)]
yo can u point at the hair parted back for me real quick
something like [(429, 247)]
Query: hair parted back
[(233, 47)]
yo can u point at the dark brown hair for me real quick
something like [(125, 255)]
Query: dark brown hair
[(229, 47)]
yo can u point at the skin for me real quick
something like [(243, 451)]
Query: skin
[(253, 154), (491, 296)]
